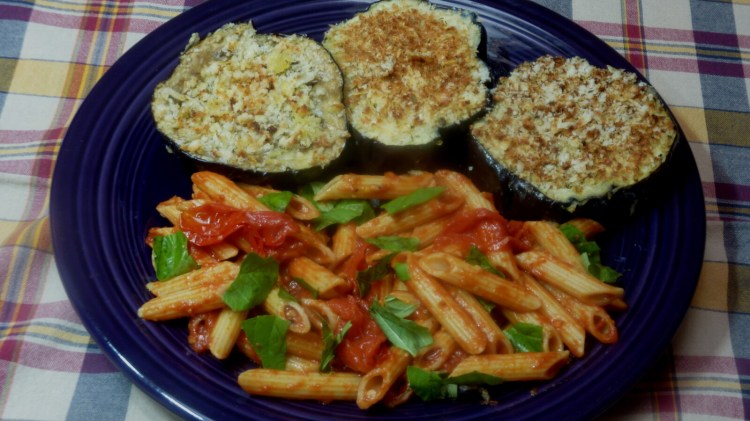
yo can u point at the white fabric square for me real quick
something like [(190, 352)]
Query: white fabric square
[(673, 14), (682, 89), (598, 10), (40, 394), (142, 407), (741, 19), (704, 333), (49, 43), (28, 112), (53, 287), (14, 196)]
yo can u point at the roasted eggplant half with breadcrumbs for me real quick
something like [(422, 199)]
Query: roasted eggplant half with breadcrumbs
[(263, 107), (414, 79), (565, 138)]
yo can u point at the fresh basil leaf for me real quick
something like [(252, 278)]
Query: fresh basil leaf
[(525, 337), (402, 333), (277, 201), (429, 385), (330, 342), (286, 296), (590, 254), (402, 271), (255, 280), (374, 273), (417, 197), (171, 257), (267, 335), (308, 191), (475, 378), (398, 307), (342, 212), (395, 243), (476, 257), (309, 288)]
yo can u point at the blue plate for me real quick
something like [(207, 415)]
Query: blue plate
[(113, 169)]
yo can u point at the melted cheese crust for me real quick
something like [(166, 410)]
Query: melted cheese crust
[(409, 69), (576, 131), (258, 102)]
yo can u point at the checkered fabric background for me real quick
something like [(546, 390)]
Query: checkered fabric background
[(695, 52)]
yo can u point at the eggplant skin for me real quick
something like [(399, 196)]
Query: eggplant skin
[(566, 139), (413, 78), (262, 107)]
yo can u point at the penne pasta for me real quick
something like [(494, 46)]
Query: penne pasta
[(594, 319), (389, 224), (225, 331), (298, 207), (377, 381), (566, 278), (300, 385), (433, 357), (461, 186), (476, 280), (388, 186), (551, 340), (318, 277), (554, 242), (497, 343), (287, 310), (588, 227), (445, 309), (521, 366)]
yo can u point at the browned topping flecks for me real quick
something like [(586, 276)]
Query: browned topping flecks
[(409, 69), (254, 101), (576, 131)]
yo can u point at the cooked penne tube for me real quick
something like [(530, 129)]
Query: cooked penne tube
[(476, 280), (505, 262), (300, 385), (445, 309), (184, 303), (520, 366), (594, 319), (316, 276), (433, 357), (551, 340), (427, 232), (225, 191), (225, 331), (389, 224), (377, 381), (588, 227), (388, 186), (553, 241), (304, 345), (571, 332), (303, 365), (460, 185), (299, 322), (497, 343), (564, 277), (298, 207), (344, 241)]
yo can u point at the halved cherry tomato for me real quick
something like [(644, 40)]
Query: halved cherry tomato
[(364, 341)]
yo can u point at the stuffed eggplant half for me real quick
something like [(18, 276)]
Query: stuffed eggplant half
[(413, 77), (565, 138), (264, 107)]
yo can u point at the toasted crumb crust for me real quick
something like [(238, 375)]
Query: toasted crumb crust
[(258, 102), (409, 69), (576, 131)]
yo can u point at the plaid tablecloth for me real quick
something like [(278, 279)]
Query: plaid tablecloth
[(696, 53)]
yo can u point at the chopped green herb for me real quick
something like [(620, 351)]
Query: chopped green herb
[(277, 201), (286, 296), (476, 257), (417, 197), (398, 307), (309, 288), (590, 254), (374, 273), (395, 243), (525, 337), (330, 342), (309, 191), (267, 335), (255, 280), (475, 378), (429, 385), (171, 257), (344, 211), (488, 305), (402, 333), (402, 271)]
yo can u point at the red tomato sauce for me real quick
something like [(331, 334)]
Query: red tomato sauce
[(364, 342)]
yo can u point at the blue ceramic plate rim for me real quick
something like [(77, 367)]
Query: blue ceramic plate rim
[(111, 172)]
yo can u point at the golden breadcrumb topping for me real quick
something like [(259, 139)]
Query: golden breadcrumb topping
[(576, 131), (259, 102), (409, 69)]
